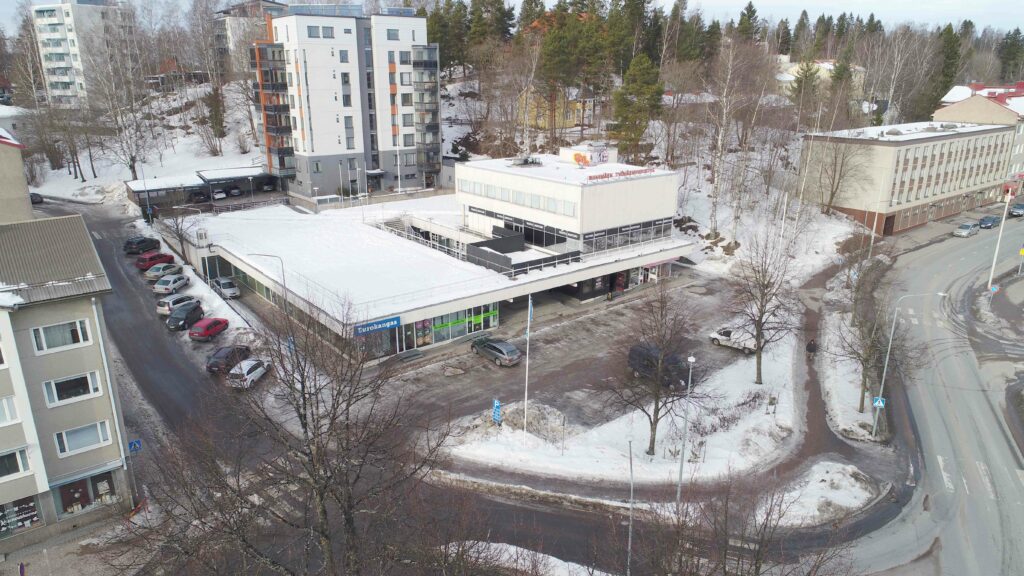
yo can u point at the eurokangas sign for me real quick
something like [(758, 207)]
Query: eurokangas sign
[(378, 325), (620, 174)]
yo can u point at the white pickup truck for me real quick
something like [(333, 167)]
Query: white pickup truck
[(733, 338)]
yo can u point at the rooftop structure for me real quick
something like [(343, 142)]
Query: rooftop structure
[(998, 105), (907, 132), (999, 93)]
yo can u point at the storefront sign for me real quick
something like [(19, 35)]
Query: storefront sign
[(620, 174), (378, 325), (476, 210)]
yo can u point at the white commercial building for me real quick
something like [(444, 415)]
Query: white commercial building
[(66, 32), (417, 273), (349, 102)]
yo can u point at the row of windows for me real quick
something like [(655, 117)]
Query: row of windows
[(311, 32), (925, 171), (519, 197), (68, 443)]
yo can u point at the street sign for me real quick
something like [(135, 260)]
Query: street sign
[(496, 412), (134, 446), (994, 288), (879, 402), (290, 343), (1022, 251)]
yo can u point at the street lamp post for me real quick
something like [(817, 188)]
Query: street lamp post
[(284, 281), (999, 240), (888, 349), (686, 428)]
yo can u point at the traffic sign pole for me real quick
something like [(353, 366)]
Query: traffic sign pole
[(1021, 263)]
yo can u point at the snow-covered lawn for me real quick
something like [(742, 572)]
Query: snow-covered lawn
[(840, 384), (827, 491), (528, 561), (732, 434)]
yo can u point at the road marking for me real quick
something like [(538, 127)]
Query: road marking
[(935, 315), (910, 311), (965, 485), (941, 324), (96, 235), (987, 477), (1020, 474), (946, 478), (913, 321)]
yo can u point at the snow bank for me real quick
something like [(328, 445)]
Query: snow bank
[(828, 491), (840, 383), (516, 558), (733, 435)]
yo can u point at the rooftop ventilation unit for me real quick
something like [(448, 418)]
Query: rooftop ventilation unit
[(525, 161), (893, 132)]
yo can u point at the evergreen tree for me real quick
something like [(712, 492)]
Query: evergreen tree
[(822, 32), (712, 40), (842, 74), (690, 45), (636, 104), (804, 88), (748, 28), (872, 26), (784, 37), (801, 35), (490, 20), (529, 12), (1011, 55)]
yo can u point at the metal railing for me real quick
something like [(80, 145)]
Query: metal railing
[(217, 208)]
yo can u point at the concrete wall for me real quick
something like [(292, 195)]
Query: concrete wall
[(639, 199), (15, 205)]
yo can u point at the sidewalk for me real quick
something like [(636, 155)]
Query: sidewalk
[(64, 555)]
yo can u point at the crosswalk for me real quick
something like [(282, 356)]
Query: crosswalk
[(984, 477), (936, 319)]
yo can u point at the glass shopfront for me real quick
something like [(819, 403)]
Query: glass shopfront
[(83, 494), (18, 515), (432, 331)]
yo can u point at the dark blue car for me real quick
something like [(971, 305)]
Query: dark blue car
[(989, 221)]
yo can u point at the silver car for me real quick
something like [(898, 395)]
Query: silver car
[(500, 351), (160, 270), (226, 287), (165, 306), (170, 284), (966, 229)]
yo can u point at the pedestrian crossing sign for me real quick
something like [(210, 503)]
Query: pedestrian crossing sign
[(879, 402)]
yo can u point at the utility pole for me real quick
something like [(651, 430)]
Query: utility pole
[(999, 239)]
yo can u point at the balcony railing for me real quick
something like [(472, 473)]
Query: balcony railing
[(424, 64), (276, 171), (281, 150), (428, 147), (276, 130), (270, 86), (426, 86), (268, 64), (426, 106), (276, 108)]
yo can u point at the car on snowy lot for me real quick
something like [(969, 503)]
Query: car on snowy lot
[(733, 338), (226, 287), (165, 306), (966, 229), (160, 270), (149, 259), (1017, 210), (184, 316), (207, 329), (225, 358), (140, 244), (500, 352), (170, 284), (247, 372), (987, 222), (643, 363), (35, 197)]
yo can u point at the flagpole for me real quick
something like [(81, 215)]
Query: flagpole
[(526, 385)]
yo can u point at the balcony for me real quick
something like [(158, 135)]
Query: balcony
[(427, 86), (276, 108), (428, 147), (276, 87), (424, 64), (425, 106), (282, 171), (281, 151), (276, 130), (431, 126)]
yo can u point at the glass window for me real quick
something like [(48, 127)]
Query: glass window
[(313, 31), (344, 79), (84, 438), (406, 99), (391, 57), (74, 387), (327, 31), (13, 463), (58, 336), (8, 411), (407, 120), (348, 121), (17, 515), (343, 56), (346, 100), (405, 57), (406, 78), (350, 142), (392, 34)]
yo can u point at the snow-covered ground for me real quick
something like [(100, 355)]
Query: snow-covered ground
[(828, 491), (840, 383), (184, 153), (732, 434), (527, 561)]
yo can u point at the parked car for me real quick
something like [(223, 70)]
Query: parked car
[(989, 221), (247, 372), (733, 338), (198, 196), (150, 259), (1017, 210), (207, 329), (966, 229), (643, 361), (160, 270), (35, 198), (234, 191), (140, 244), (170, 284), (503, 353), (225, 358), (268, 187), (165, 306), (226, 287), (184, 316), (219, 195)]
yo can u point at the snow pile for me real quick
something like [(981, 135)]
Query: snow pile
[(8, 299), (523, 560), (732, 435), (840, 383), (828, 491)]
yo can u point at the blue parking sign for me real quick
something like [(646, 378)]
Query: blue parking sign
[(134, 446), (496, 412)]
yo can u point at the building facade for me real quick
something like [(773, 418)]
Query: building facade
[(14, 204), (62, 453), (235, 27), (900, 176), (1003, 108), (66, 32), (349, 102)]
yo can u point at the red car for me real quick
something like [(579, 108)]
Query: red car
[(150, 259), (207, 328)]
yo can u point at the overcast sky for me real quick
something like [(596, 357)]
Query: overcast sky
[(995, 13)]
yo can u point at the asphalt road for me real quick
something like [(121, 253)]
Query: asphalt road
[(967, 515)]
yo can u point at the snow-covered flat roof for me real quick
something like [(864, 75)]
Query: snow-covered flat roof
[(166, 182), (338, 260), (231, 173), (6, 138), (553, 168), (12, 111), (910, 131)]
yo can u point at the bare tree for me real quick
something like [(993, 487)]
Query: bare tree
[(837, 166), (763, 295), (318, 478), (656, 384)]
